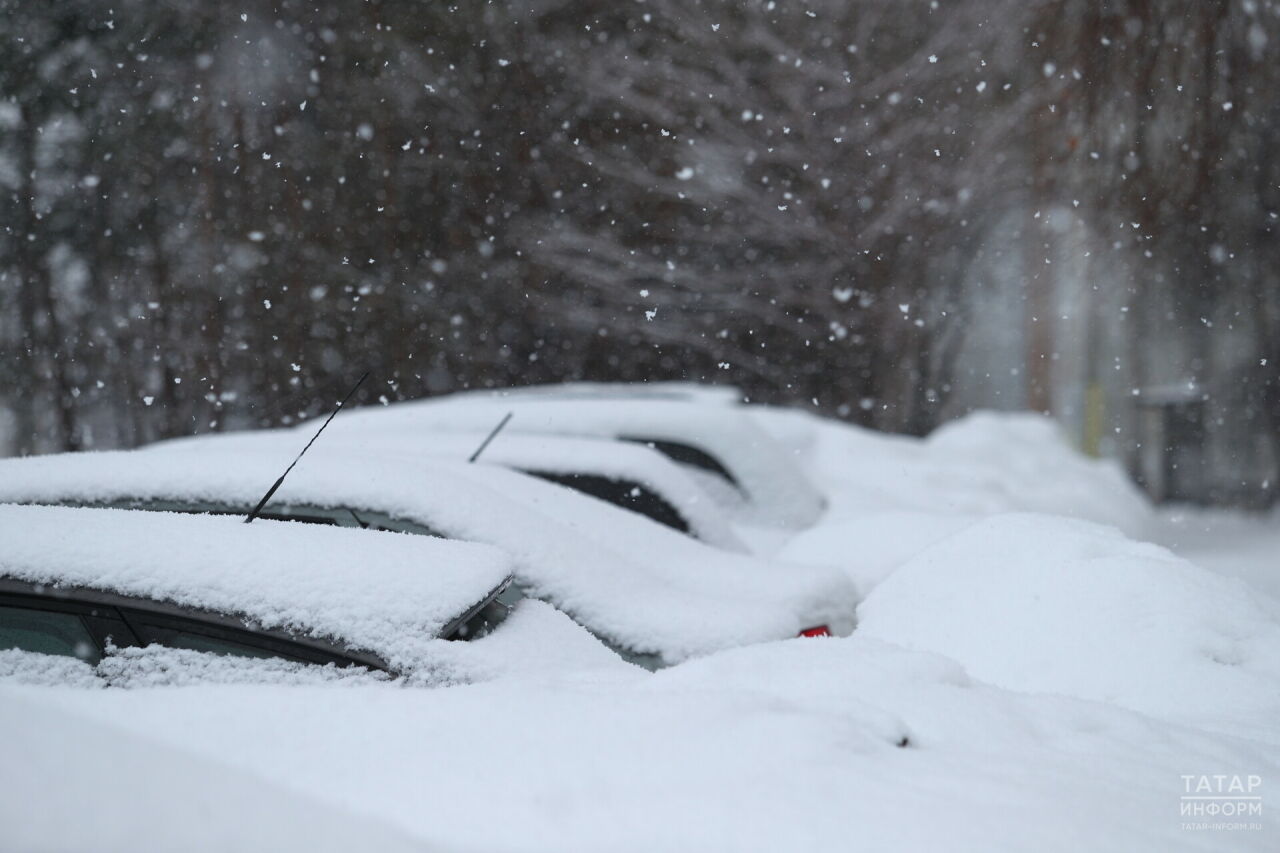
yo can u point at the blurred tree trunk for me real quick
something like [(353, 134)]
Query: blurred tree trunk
[(29, 348), (45, 352)]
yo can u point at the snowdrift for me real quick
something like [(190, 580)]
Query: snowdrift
[(1043, 604)]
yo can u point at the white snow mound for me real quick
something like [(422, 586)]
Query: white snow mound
[(1023, 462), (1045, 604), (982, 464)]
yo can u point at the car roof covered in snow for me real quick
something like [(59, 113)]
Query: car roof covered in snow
[(378, 592), (639, 584), (776, 492), (550, 454), (693, 392)]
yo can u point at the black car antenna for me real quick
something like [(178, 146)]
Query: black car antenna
[(490, 437), (271, 491)]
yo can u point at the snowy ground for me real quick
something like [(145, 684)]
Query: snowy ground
[(1235, 545), (1029, 673)]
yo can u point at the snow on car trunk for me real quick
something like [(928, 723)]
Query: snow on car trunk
[(377, 592)]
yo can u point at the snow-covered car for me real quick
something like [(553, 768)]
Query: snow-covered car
[(95, 583), (654, 595), (627, 475), (675, 390), (730, 456)]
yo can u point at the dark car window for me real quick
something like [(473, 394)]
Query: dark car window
[(49, 632), (303, 519), (627, 494), (686, 454), (176, 639), (83, 623), (303, 516), (334, 516), (483, 622), (202, 636)]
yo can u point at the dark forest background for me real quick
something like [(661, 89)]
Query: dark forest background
[(216, 215)]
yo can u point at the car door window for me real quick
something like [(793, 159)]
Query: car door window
[(201, 636), (49, 632), (197, 642), (84, 623), (627, 494), (686, 454)]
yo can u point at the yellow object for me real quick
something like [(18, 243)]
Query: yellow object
[(1094, 414)]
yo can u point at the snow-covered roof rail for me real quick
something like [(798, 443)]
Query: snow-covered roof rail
[(380, 593), (692, 392)]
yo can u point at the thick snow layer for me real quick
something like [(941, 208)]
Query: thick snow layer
[(1029, 465), (69, 784), (799, 745), (892, 496), (535, 641), (642, 585), (21, 667), (871, 546), (985, 463), (1021, 681), (693, 392), (158, 666), (777, 493), (1037, 603), (540, 453), (381, 592)]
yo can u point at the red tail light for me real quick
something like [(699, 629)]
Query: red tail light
[(816, 631)]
